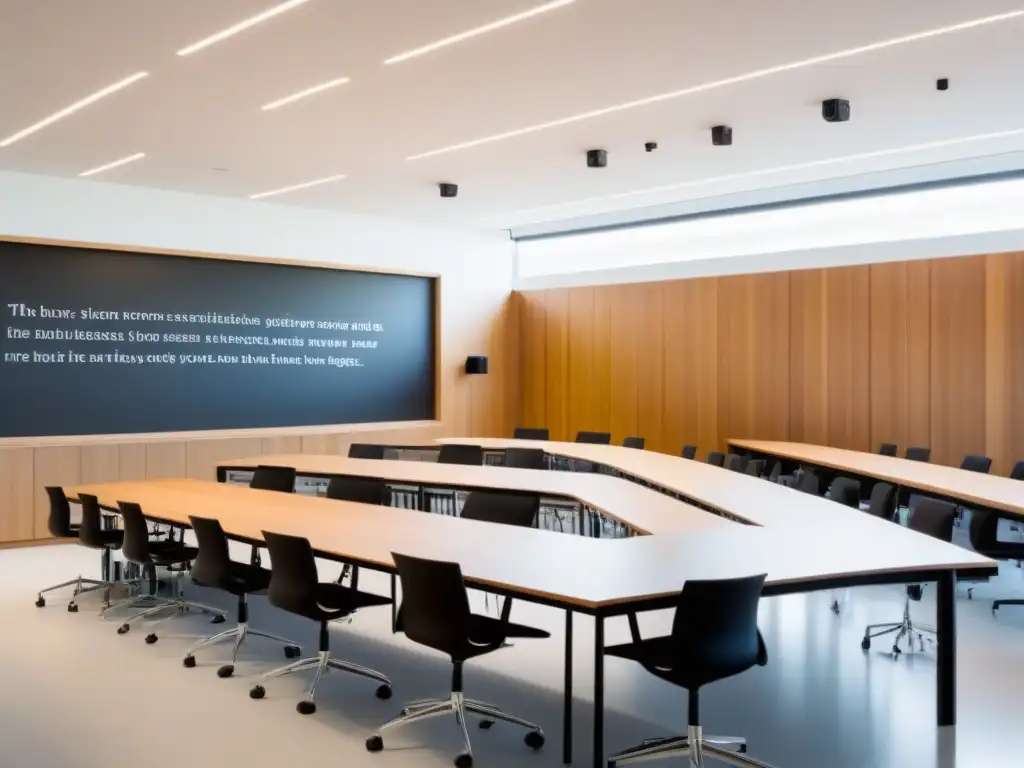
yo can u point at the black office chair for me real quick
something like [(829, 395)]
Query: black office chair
[(689, 452), (975, 463), (365, 451), (714, 637), (362, 490), (456, 453), (519, 509), (634, 442), (845, 491), (809, 482), (735, 462), (531, 433), (296, 587), (594, 438), (93, 535), (435, 613), (888, 449), (171, 555), (775, 476), (918, 453), (716, 459), (932, 518), (754, 468), (882, 502), (525, 458), (267, 478), (213, 567), (59, 525), (985, 540), (1017, 473)]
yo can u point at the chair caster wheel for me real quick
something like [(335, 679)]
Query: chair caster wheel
[(257, 692), (151, 638), (305, 707), (218, 619), (485, 725), (865, 644), (292, 651), (40, 603), (124, 629), (384, 692), (226, 671), (72, 607), (465, 760), (835, 607), (534, 739), (374, 744), (896, 651), (188, 662), (742, 749)]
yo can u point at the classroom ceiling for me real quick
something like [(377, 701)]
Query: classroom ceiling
[(199, 121)]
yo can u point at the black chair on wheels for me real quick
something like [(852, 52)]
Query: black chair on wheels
[(882, 502), (171, 555), (985, 540), (845, 491), (919, 453), (526, 458), (458, 453), (268, 478), (365, 451), (519, 509), (1017, 473), (295, 587), (59, 525), (933, 518), (594, 438), (975, 463), (736, 462), (435, 613), (213, 567), (689, 452), (714, 636), (531, 433), (808, 482), (888, 449), (634, 442), (754, 468), (716, 459), (93, 535)]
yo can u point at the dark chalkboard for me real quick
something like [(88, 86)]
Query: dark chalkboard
[(98, 341)]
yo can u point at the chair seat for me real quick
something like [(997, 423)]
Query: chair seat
[(337, 600), (1004, 550), (487, 629), (245, 579), (660, 656), (105, 539), (171, 553)]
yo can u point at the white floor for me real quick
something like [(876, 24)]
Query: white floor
[(74, 693)]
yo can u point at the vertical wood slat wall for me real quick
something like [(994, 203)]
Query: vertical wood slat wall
[(916, 353)]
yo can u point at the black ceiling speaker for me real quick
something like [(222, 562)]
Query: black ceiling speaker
[(448, 190), (721, 136), (835, 110), (476, 364), (942, 83), (597, 158)]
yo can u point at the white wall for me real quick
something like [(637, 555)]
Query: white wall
[(476, 269)]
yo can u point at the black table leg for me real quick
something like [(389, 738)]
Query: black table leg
[(394, 603), (567, 704), (946, 629), (598, 691)]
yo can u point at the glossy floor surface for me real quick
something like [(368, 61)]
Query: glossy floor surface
[(74, 693)]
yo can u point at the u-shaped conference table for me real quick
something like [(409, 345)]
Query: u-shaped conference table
[(693, 520)]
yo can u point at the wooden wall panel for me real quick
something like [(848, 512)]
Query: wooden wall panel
[(286, 444), (201, 456), (917, 353), (17, 494)]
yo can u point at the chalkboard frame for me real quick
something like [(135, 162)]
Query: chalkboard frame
[(435, 278)]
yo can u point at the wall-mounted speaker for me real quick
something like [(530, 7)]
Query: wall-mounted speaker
[(476, 364)]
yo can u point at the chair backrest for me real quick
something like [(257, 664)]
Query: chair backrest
[(934, 518), (809, 483), (365, 451), (525, 458), (268, 478), (918, 453), (776, 472), (531, 433), (716, 459), (735, 462), (1017, 473), (136, 533), (715, 626), (883, 501), (845, 491), (59, 520), (293, 574), (975, 463), (689, 452), (595, 438), (984, 531), (435, 608), (634, 442), (365, 490), (456, 453), (754, 467), (509, 508), (888, 449), (212, 565), (90, 532)]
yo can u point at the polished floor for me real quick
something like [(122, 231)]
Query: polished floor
[(74, 693)]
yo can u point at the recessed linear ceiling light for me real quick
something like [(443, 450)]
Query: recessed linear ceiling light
[(483, 30), (115, 164), (763, 172), (755, 75), (307, 92), (295, 187), (241, 26), (73, 108)]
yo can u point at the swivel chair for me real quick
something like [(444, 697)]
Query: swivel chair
[(689, 452), (634, 442), (735, 462), (716, 459), (531, 433), (888, 449), (845, 491), (365, 451), (985, 540), (267, 478), (919, 453)]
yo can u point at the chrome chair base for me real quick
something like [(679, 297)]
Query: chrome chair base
[(905, 628), (82, 586), (459, 706), (321, 663), (730, 750), (155, 604), (238, 633)]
